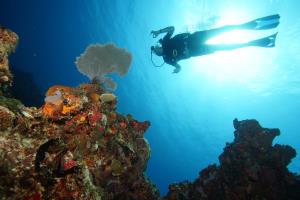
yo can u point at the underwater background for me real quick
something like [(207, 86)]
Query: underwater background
[(191, 113)]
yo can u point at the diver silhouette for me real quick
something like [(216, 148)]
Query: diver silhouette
[(187, 45)]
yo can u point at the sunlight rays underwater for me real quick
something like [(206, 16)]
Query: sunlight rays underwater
[(247, 66), (243, 83)]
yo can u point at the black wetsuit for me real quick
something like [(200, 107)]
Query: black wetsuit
[(175, 48), (184, 46)]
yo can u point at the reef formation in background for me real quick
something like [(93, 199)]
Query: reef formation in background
[(251, 168), (77, 146)]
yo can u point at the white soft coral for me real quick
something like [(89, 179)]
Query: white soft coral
[(99, 60)]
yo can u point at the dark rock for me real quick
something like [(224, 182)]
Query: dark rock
[(250, 168)]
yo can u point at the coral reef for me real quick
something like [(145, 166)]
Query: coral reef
[(8, 43), (74, 147), (250, 168)]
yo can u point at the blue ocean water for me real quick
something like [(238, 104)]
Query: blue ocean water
[(191, 112)]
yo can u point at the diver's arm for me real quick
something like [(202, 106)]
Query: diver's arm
[(169, 30), (177, 68)]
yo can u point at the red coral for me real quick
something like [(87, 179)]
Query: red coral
[(144, 125), (134, 124), (69, 164), (95, 117), (75, 123), (140, 126), (112, 130), (122, 125), (35, 196), (101, 129)]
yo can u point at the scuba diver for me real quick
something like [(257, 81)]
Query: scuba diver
[(186, 45)]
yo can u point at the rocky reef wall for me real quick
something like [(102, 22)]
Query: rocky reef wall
[(76, 146)]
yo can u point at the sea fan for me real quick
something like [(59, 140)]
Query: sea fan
[(99, 60)]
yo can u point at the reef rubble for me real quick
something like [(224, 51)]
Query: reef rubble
[(77, 146)]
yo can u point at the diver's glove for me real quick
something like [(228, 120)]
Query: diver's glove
[(155, 33), (177, 69)]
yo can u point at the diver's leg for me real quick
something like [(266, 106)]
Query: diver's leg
[(208, 34), (223, 47), (206, 49), (266, 42), (263, 23)]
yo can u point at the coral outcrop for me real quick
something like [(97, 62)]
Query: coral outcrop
[(250, 168), (74, 147), (8, 43)]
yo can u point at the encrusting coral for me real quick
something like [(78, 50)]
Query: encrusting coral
[(77, 146)]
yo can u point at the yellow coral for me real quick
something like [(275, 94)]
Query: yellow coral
[(63, 99), (74, 103), (50, 110), (69, 109)]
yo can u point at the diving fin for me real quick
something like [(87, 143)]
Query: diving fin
[(267, 42), (270, 17), (268, 22)]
